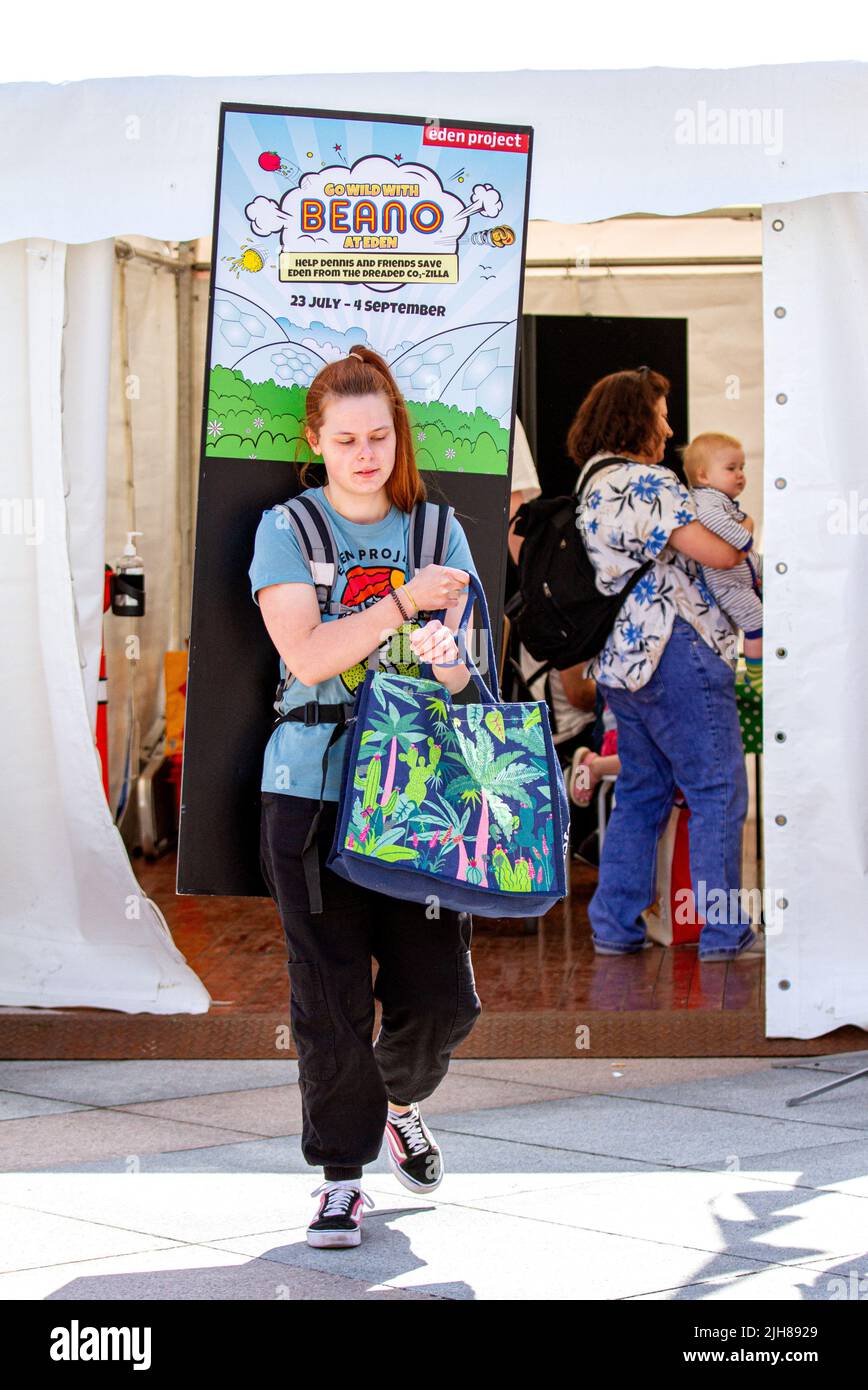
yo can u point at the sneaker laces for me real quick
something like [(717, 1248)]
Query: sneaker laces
[(340, 1196), (410, 1126)]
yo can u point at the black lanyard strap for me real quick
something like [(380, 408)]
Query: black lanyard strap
[(310, 714)]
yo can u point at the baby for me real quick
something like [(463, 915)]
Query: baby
[(714, 464)]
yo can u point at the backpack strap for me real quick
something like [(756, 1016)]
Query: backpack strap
[(430, 527), (318, 546), (584, 479), (588, 473)]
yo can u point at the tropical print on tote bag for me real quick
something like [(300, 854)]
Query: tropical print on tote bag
[(463, 801), (461, 791)]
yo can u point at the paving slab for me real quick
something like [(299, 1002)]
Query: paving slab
[(582, 1073), (481, 1164), (467, 1253), (264, 1111), (113, 1135), (187, 1273), (766, 1093), (124, 1083), (169, 1199), (723, 1213), (840, 1167), (176, 1207), (37, 1239), (849, 1271), (842, 1062), (785, 1283), (277, 1110), (641, 1129), (17, 1106), (605, 1178)]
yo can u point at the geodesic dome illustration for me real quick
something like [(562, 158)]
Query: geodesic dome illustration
[(469, 367)]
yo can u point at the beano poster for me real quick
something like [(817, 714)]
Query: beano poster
[(403, 233)]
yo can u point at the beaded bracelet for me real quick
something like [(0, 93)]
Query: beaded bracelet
[(405, 616)]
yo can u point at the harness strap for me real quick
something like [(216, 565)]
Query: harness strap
[(309, 714), (315, 713)]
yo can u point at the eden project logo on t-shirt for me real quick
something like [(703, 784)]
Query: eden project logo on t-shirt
[(366, 584)]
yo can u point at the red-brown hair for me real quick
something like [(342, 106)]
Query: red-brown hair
[(365, 373), (619, 414)]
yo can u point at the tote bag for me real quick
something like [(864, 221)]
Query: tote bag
[(459, 804)]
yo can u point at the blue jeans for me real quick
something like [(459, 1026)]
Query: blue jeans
[(681, 730)]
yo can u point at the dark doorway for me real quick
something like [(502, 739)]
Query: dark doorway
[(564, 354)]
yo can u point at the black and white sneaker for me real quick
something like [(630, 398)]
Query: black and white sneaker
[(414, 1157), (338, 1221)]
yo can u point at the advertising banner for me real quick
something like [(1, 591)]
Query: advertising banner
[(405, 234)]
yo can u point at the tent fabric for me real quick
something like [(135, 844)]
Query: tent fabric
[(85, 426), (724, 341), (137, 157), (75, 927), (724, 318), (815, 656), (139, 154), (151, 351), (147, 343)]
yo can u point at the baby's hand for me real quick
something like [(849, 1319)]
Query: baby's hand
[(748, 524)]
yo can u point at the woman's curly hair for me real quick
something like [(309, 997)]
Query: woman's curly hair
[(619, 414)]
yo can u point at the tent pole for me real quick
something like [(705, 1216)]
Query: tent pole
[(183, 447)]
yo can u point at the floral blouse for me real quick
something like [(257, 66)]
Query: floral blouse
[(625, 518)]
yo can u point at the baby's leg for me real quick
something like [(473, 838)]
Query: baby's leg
[(753, 659)]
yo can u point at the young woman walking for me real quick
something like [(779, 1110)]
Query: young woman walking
[(352, 1090)]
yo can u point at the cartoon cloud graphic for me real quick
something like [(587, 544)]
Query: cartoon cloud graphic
[(267, 216)]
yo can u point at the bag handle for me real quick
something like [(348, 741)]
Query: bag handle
[(477, 595)]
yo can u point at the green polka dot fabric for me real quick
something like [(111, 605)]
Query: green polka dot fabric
[(750, 713)]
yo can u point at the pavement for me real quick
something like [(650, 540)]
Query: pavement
[(565, 1179)]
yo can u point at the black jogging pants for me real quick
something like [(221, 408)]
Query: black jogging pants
[(424, 983)]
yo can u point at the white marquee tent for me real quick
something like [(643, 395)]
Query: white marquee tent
[(85, 331)]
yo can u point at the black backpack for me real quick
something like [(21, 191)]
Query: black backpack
[(558, 612)]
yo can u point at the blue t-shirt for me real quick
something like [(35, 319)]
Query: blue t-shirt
[(370, 558)]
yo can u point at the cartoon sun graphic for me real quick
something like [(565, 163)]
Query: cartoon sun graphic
[(250, 260)]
